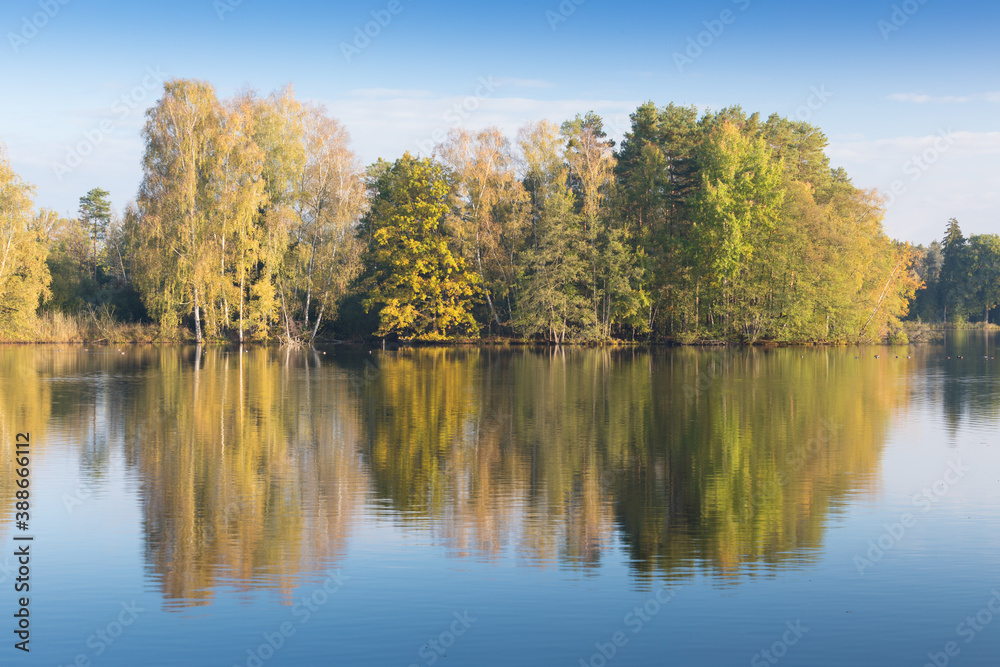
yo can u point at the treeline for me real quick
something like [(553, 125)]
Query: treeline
[(256, 221), (961, 277)]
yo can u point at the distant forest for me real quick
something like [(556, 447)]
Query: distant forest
[(255, 221)]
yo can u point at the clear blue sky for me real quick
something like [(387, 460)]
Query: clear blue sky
[(82, 77)]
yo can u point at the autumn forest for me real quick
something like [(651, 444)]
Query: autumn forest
[(255, 221)]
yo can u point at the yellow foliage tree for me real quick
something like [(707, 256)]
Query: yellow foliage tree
[(24, 275), (422, 288)]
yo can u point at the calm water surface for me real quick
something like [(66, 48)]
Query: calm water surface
[(486, 507)]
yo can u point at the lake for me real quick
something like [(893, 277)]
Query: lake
[(673, 506)]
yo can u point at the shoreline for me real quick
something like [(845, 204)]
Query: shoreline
[(108, 333)]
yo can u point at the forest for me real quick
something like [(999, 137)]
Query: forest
[(255, 222)]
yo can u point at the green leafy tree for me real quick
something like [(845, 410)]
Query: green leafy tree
[(556, 268), (984, 261), (95, 215), (735, 212), (69, 265), (927, 265), (955, 270), (657, 175), (801, 148), (421, 287), (615, 289), (554, 275)]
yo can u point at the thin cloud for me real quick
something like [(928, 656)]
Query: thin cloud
[(920, 98), (898, 150), (523, 83), (389, 93)]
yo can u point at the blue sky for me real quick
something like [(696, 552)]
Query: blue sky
[(924, 83)]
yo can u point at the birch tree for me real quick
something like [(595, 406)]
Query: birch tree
[(490, 219), (323, 254), (178, 256), (236, 195), (24, 276)]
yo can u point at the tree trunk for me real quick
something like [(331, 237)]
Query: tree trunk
[(482, 277), (309, 282), (697, 305), (197, 318), (319, 318), (242, 288), (284, 311)]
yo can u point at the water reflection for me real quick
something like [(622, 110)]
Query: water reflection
[(713, 460), (255, 469), (966, 373), (248, 470)]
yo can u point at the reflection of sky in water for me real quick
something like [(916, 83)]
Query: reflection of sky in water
[(548, 545)]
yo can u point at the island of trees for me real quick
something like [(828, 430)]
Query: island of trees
[(255, 221)]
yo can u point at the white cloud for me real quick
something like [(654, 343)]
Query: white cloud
[(388, 127), (897, 150), (936, 179)]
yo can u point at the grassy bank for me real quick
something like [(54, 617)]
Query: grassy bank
[(98, 325), (88, 326)]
